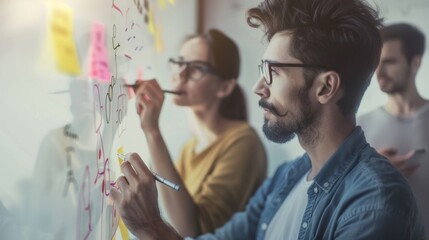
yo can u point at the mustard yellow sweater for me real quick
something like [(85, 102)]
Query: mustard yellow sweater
[(223, 177)]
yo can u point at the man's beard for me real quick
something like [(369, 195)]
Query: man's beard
[(395, 87), (281, 132)]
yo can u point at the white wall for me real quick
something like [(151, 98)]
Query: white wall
[(229, 16)]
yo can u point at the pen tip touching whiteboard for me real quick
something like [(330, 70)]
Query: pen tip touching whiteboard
[(157, 177)]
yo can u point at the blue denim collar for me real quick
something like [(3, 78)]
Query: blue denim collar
[(296, 171), (342, 160), (335, 168)]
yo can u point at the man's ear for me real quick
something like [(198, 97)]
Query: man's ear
[(415, 63), (328, 87), (226, 87)]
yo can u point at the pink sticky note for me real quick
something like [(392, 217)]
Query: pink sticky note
[(99, 63)]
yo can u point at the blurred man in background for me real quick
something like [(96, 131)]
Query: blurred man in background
[(399, 129)]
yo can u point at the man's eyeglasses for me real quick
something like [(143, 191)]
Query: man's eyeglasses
[(195, 70), (265, 68)]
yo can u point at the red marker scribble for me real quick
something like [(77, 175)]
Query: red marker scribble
[(98, 108), (117, 8), (84, 219), (106, 185), (101, 160)]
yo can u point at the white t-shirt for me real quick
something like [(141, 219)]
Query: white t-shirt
[(287, 221), (405, 134)]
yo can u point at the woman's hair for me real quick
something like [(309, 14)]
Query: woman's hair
[(224, 57)]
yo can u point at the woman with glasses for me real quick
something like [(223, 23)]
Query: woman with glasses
[(224, 162)]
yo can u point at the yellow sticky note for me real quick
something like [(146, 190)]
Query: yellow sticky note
[(158, 39), (120, 151), (172, 2), (123, 229), (162, 3), (151, 24), (61, 30)]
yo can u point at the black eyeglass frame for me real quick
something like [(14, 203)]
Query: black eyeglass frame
[(276, 64), (206, 68)]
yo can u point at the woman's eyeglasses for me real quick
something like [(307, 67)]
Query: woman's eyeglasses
[(195, 70)]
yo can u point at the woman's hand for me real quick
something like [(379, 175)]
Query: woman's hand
[(149, 100)]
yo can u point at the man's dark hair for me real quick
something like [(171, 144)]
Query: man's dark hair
[(412, 39), (342, 34)]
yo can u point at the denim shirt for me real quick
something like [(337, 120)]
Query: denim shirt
[(357, 194)]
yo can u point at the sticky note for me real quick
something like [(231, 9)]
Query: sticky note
[(123, 229), (120, 151), (158, 39), (61, 31), (151, 24), (99, 64), (172, 2), (162, 3)]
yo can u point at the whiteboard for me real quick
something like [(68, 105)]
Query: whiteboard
[(66, 113)]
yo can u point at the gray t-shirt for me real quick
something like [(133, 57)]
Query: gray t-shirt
[(403, 133)]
